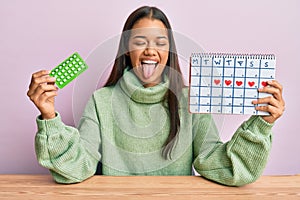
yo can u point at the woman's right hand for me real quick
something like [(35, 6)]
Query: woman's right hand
[(42, 92)]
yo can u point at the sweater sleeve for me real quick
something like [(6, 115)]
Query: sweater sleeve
[(70, 154), (237, 162)]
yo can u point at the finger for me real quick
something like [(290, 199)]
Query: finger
[(40, 73), (275, 84), (267, 100), (275, 97), (40, 90), (274, 111), (47, 95), (36, 90), (276, 94), (271, 105), (274, 88), (36, 82), (45, 88), (43, 79)]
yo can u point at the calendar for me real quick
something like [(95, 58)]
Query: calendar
[(228, 83)]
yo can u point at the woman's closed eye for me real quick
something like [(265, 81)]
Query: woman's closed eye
[(140, 43), (161, 44)]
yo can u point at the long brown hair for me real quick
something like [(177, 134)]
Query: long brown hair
[(173, 72)]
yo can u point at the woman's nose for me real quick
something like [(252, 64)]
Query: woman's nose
[(150, 50)]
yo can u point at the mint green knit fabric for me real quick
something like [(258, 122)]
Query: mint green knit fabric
[(125, 126)]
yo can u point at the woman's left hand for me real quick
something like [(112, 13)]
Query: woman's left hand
[(275, 103)]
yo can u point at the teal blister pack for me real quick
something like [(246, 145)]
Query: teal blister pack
[(68, 70)]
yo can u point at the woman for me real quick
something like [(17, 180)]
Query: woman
[(139, 124)]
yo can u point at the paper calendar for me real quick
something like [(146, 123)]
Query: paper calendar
[(228, 83)]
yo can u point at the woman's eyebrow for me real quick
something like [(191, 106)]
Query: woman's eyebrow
[(162, 37), (139, 36), (144, 37)]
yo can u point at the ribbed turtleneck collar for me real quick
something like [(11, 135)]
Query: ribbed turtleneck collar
[(133, 88)]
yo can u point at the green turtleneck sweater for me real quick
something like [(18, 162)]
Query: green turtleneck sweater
[(125, 126)]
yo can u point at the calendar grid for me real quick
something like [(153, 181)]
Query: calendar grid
[(223, 70), (244, 82), (211, 88), (259, 79), (228, 83)]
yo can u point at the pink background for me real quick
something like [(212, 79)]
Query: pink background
[(38, 35)]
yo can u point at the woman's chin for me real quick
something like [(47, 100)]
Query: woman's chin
[(149, 82)]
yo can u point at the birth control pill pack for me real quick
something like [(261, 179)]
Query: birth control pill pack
[(68, 70)]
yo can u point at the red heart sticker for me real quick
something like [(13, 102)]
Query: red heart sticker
[(264, 83), (227, 82), (251, 83), (239, 83), (217, 81)]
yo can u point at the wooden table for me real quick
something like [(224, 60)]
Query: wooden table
[(146, 187)]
